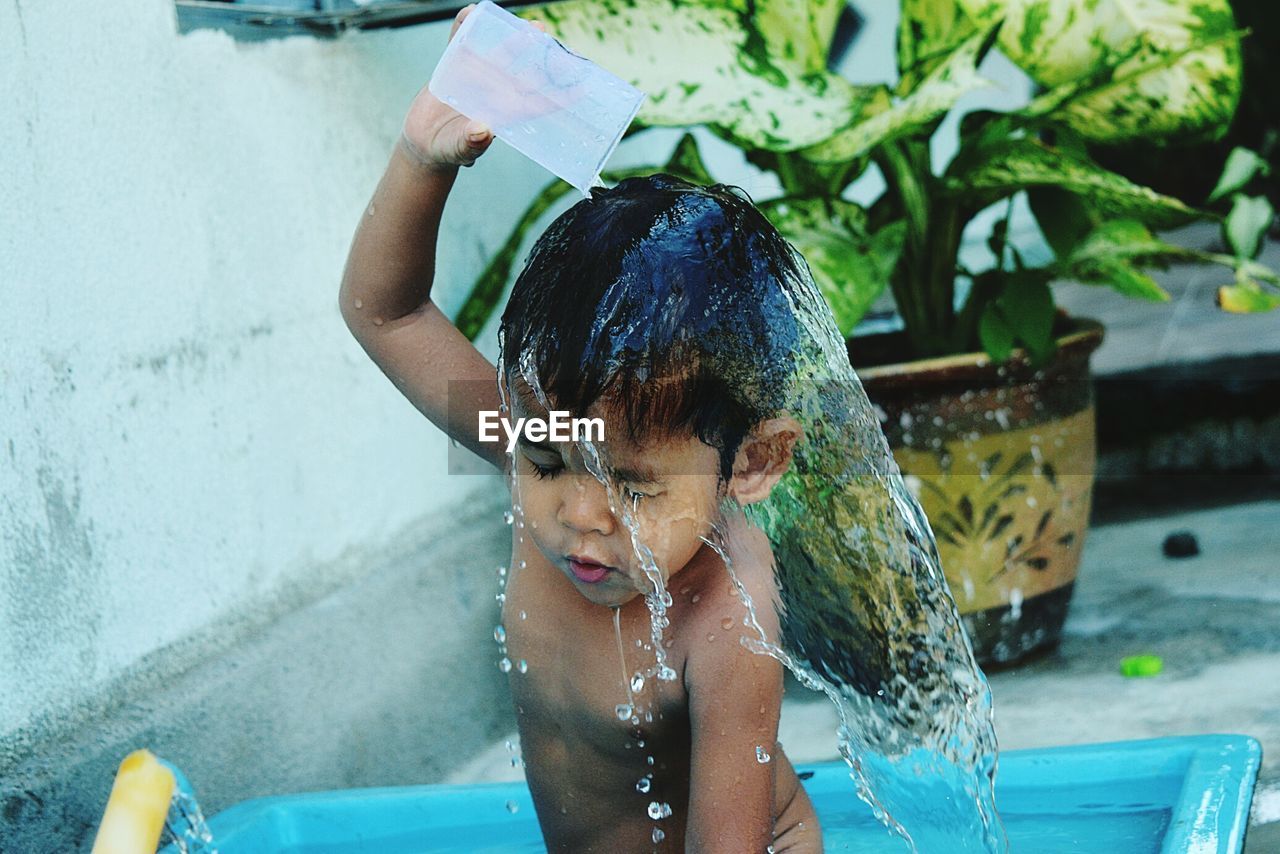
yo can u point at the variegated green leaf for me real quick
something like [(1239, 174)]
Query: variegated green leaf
[(929, 30), (686, 162), (704, 63), (955, 77), (1247, 297), (1113, 253), (799, 31), (995, 334), (996, 172), (1248, 221), (1128, 69), (850, 266), (1241, 166)]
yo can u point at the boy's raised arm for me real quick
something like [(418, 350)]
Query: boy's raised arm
[(386, 288)]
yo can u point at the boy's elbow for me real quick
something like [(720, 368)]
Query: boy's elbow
[(356, 320)]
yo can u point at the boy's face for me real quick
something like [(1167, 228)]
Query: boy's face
[(672, 488)]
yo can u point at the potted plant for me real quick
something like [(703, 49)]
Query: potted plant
[(984, 395)]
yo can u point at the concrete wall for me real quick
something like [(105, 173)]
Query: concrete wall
[(220, 527)]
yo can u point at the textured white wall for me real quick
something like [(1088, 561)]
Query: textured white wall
[(185, 424)]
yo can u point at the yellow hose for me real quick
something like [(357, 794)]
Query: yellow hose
[(139, 802)]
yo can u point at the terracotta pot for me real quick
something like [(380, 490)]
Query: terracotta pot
[(1001, 458)]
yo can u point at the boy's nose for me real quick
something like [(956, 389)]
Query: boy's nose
[(584, 506)]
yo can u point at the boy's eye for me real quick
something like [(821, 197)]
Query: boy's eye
[(544, 469), (633, 494)]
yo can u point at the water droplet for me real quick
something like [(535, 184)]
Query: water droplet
[(369, 212), (523, 564), (359, 303), (658, 835), (505, 665), (501, 598), (640, 743), (637, 683), (500, 634), (762, 756), (623, 711), (378, 321), (655, 810), (508, 517), (711, 637), (696, 597), (643, 785), (510, 746), (666, 673), (649, 760), (524, 615), (726, 623), (502, 572), (523, 666), (512, 807)]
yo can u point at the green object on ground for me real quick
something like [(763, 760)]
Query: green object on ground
[(1137, 666)]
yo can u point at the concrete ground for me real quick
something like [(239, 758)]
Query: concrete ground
[(1213, 618)]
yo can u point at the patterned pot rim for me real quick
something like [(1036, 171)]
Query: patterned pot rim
[(1076, 343)]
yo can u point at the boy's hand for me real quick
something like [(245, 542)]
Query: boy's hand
[(438, 136)]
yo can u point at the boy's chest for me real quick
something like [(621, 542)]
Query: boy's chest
[(579, 679)]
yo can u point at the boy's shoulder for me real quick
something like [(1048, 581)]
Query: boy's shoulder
[(714, 618)]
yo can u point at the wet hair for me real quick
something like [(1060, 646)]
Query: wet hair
[(666, 302)]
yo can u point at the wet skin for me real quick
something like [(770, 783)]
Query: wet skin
[(583, 763)]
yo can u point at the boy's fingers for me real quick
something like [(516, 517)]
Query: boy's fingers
[(459, 18), (476, 141)]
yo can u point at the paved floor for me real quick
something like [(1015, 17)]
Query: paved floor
[(1188, 328), (1213, 618)]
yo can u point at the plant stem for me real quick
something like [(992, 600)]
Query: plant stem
[(923, 281)]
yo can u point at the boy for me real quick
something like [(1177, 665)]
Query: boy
[(654, 306)]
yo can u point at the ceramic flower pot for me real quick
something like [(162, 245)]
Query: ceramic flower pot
[(1001, 458)]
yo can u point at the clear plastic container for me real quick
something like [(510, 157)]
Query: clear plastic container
[(560, 110)]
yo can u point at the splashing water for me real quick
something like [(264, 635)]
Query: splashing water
[(864, 611), (658, 599), (185, 821)]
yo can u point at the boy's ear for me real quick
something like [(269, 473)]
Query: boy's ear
[(763, 458)]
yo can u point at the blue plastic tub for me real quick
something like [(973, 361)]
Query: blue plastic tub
[(1168, 795)]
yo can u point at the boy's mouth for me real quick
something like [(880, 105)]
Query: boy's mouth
[(586, 570)]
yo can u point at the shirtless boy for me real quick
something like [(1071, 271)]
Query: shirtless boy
[(646, 306)]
